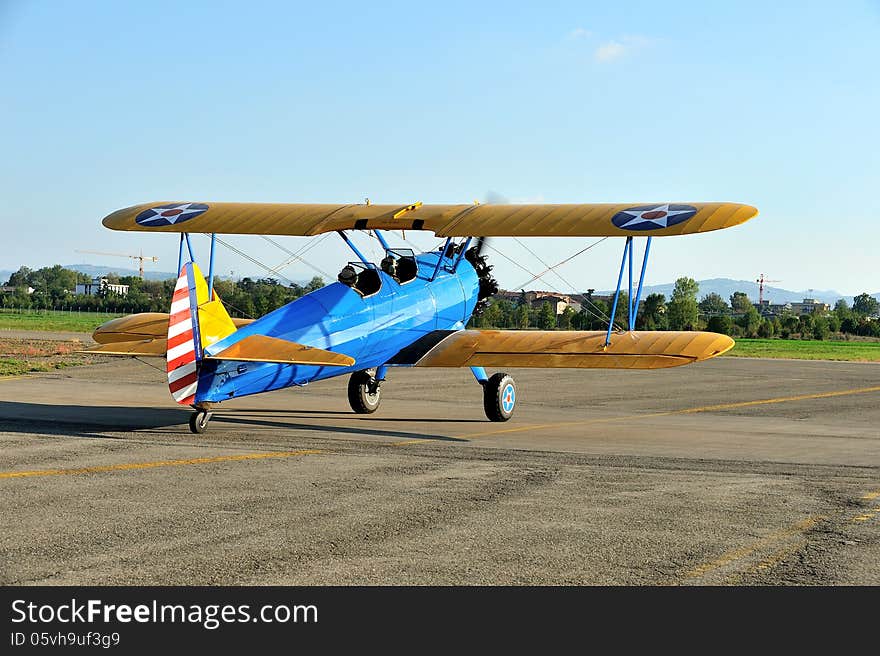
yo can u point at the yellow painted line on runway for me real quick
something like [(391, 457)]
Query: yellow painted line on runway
[(870, 514), (651, 415), (158, 463), (781, 399), (742, 552), (5, 378), (774, 559), (870, 496), (668, 413), (768, 563)]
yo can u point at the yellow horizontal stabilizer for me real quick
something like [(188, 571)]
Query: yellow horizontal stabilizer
[(143, 348), (572, 220), (259, 348), (145, 325), (574, 349), (141, 326)]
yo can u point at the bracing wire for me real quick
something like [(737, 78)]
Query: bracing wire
[(252, 260), (568, 259), (297, 255), (593, 309)]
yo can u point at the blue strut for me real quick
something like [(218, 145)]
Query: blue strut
[(461, 254), (189, 247), (382, 241), (440, 259), (353, 247), (480, 374), (642, 277), (626, 249), (180, 255), (211, 267)]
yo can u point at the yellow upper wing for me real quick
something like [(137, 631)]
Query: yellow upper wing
[(580, 220)]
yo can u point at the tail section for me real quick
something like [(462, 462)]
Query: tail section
[(195, 322)]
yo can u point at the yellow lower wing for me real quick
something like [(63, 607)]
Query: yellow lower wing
[(574, 349)]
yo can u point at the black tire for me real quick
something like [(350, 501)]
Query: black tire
[(198, 421), (499, 397), (360, 398)]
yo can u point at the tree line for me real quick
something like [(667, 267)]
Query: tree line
[(737, 318), (54, 287), (250, 298)]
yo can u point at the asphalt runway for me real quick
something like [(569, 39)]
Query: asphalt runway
[(733, 471)]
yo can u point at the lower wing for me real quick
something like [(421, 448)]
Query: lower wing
[(562, 349)]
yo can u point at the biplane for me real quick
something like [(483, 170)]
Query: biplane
[(408, 310)]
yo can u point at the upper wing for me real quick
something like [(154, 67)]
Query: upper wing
[(552, 349), (581, 220)]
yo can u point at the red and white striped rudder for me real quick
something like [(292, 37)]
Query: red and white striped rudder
[(183, 351)]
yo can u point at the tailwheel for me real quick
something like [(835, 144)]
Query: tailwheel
[(499, 397), (364, 393), (198, 421)]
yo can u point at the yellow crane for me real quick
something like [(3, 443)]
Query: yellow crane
[(140, 258)]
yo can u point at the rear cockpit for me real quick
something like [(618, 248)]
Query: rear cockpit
[(400, 264)]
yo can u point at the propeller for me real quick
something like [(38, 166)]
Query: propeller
[(492, 198), (479, 245), (474, 255)]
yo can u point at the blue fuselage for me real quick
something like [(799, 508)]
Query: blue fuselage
[(371, 329)]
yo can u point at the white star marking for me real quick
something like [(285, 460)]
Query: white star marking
[(660, 222), (185, 211)]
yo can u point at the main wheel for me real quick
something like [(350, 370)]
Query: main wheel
[(364, 393), (499, 397), (198, 421)]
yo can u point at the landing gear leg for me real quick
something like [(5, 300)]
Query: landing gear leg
[(364, 391), (198, 420), (499, 397)]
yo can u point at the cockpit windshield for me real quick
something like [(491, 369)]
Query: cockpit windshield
[(400, 264)]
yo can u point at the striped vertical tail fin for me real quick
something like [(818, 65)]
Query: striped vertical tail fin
[(183, 341), (194, 322)]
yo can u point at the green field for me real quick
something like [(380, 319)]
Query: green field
[(54, 320), (806, 350), (17, 367)]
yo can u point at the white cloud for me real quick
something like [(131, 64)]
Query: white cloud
[(579, 33), (609, 51), (617, 48)]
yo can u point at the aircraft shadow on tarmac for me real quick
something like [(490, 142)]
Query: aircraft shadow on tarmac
[(84, 421)]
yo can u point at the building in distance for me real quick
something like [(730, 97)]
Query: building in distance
[(100, 285)]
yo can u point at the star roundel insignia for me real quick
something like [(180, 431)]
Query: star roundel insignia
[(170, 214), (653, 217)]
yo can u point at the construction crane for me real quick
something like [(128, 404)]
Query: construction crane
[(761, 282), (140, 258)]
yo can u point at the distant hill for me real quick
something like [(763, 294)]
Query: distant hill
[(98, 270), (725, 287)]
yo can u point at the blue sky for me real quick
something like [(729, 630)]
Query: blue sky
[(108, 104)]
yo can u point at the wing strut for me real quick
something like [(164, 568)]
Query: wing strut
[(632, 302)]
